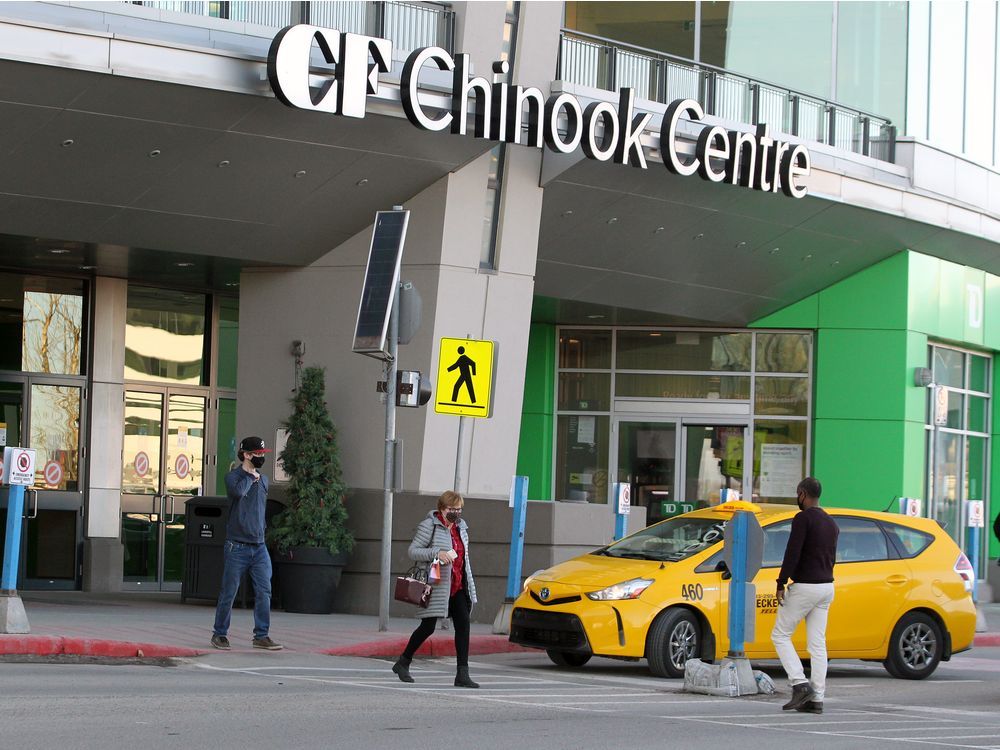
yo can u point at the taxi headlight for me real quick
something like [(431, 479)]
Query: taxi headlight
[(630, 589)]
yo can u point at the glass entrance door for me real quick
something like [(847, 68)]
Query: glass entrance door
[(162, 465), (647, 459), (47, 416), (714, 459)]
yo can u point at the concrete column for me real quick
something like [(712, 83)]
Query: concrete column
[(103, 553)]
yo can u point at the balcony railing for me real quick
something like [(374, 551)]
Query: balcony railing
[(408, 25), (605, 64)]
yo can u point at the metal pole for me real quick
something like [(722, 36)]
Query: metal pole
[(390, 443), (458, 455), (738, 586), (12, 540), (517, 538)]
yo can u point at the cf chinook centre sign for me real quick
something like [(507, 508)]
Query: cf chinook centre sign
[(525, 116)]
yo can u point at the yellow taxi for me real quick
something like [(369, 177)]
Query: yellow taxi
[(903, 595)]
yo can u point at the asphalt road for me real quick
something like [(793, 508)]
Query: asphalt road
[(284, 700)]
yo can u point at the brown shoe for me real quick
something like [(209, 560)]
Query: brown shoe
[(220, 642), (267, 644)]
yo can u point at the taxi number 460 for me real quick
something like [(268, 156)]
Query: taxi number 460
[(692, 592)]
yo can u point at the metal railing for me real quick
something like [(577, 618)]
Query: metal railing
[(408, 25), (609, 65)]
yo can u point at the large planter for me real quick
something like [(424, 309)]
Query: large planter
[(308, 578)]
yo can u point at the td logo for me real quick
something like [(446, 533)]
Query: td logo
[(354, 76)]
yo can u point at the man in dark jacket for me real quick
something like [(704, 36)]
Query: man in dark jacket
[(809, 558), (244, 549)]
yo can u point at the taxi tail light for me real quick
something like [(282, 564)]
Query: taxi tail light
[(965, 571)]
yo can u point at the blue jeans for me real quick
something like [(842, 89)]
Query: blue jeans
[(239, 558)]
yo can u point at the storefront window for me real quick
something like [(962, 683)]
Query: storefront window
[(782, 396), (165, 336), (728, 387), (585, 349), (779, 459), (55, 436), (683, 350), (666, 27), (229, 333), (41, 324), (582, 458), (584, 391), (783, 352)]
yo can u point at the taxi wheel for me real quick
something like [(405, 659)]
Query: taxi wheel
[(914, 647), (674, 638), (567, 658)]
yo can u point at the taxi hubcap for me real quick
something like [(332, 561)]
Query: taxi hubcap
[(918, 645), (683, 644)]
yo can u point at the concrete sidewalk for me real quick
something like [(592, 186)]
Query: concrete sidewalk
[(159, 625)]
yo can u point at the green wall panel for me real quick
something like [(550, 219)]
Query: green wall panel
[(924, 283), (861, 374), (991, 313), (973, 306), (951, 303), (860, 464), (872, 298), (801, 314), (915, 397), (534, 450)]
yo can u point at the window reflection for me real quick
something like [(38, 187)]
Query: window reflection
[(41, 324), (165, 336), (55, 436)]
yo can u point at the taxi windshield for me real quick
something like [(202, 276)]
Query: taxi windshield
[(669, 541)]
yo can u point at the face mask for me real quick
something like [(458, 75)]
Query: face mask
[(452, 516), (257, 461)]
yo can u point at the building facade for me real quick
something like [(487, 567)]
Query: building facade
[(719, 245)]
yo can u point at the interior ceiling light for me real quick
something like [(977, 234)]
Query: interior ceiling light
[(232, 283), (658, 230), (58, 251), (184, 264), (655, 333), (154, 153), (362, 181), (223, 163), (67, 143), (595, 317), (301, 173), (87, 268), (613, 220)]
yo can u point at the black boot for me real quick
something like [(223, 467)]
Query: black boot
[(462, 679), (402, 668), (811, 707), (801, 694)]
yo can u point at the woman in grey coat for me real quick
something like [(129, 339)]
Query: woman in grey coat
[(444, 536)]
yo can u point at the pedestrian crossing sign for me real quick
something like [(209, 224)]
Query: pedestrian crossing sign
[(465, 378)]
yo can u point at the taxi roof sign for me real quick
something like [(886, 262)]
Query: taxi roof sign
[(734, 506), (465, 378)]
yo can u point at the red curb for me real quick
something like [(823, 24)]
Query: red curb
[(434, 646), (46, 645), (986, 639)]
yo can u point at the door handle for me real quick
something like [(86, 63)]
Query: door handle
[(897, 580), (33, 500)]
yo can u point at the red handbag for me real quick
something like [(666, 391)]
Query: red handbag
[(413, 588)]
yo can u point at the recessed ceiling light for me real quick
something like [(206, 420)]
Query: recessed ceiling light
[(595, 317), (87, 268), (568, 212), (775, 250), (184, 264), (658, 230), (699, 236), (67, 143), (655, 333), (223, 163), (232, 283), (362, 181), (58, 251), (613, 220), (301, 173), (835, 263), (741, 243), (7, 299), (154, 153), (807, 257)]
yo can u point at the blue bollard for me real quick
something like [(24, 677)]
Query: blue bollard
[(517, 538), (738, 585), (12, 538)]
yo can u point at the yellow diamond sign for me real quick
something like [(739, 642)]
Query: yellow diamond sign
[(465, 378)]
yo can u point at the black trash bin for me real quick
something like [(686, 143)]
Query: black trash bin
[(204, 535)]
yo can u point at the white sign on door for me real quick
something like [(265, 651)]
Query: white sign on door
[(19, 465), (976, 514)]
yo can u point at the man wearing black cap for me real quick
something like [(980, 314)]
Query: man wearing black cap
[(244, 549)]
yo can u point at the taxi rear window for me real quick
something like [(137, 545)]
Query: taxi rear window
[(669, 541), (909, 542)]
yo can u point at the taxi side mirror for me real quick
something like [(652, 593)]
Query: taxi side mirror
[(724, 569)]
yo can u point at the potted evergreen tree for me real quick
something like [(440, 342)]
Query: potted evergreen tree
[(310, 536)]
